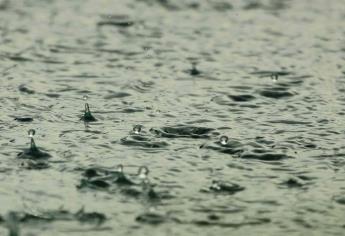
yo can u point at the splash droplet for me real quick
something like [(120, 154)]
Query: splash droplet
[(223, 140), (31, 133), (137, 129)]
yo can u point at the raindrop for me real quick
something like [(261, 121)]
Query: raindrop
[(223, 140)]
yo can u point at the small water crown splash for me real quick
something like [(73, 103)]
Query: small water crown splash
[(33, 152), (87, 117)]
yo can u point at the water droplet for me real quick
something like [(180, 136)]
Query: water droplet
[(143, 172), (274, 77), (137, 129), (31, 133), (224, 140)]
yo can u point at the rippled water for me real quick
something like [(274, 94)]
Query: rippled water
[(268, 75)]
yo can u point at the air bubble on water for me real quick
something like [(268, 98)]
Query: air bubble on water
[(31, 133), (143, 173), (137, 129), (224, 140)]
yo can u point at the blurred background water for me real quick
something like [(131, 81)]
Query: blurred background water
[(267, 74)]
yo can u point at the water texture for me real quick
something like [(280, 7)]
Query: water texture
[(164, 81)]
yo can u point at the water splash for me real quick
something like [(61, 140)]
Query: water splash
[(33, 152), (31, 134), (87, 117)]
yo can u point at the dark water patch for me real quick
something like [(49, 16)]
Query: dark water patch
[(340, 200), (263, 155), (113, 95), (34, 165), (53, 95), (59, 48), (102, 178), (63, 133), (5, 5), (253, 5), (122, 21), (200, 121), (222, 187), (221, 6), (24, 119), (131, 110), (292, 183), (276, 92), (141, 86), (155, 218), (228, 146), (24, 89), (290, 122), (182, 131), (140, 141), (194, 71), (219, 209), (18, 58), (212, 223), (274, 5), (33, 154), (60, 215), (268, 73), (167, 4), (242, 98)]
